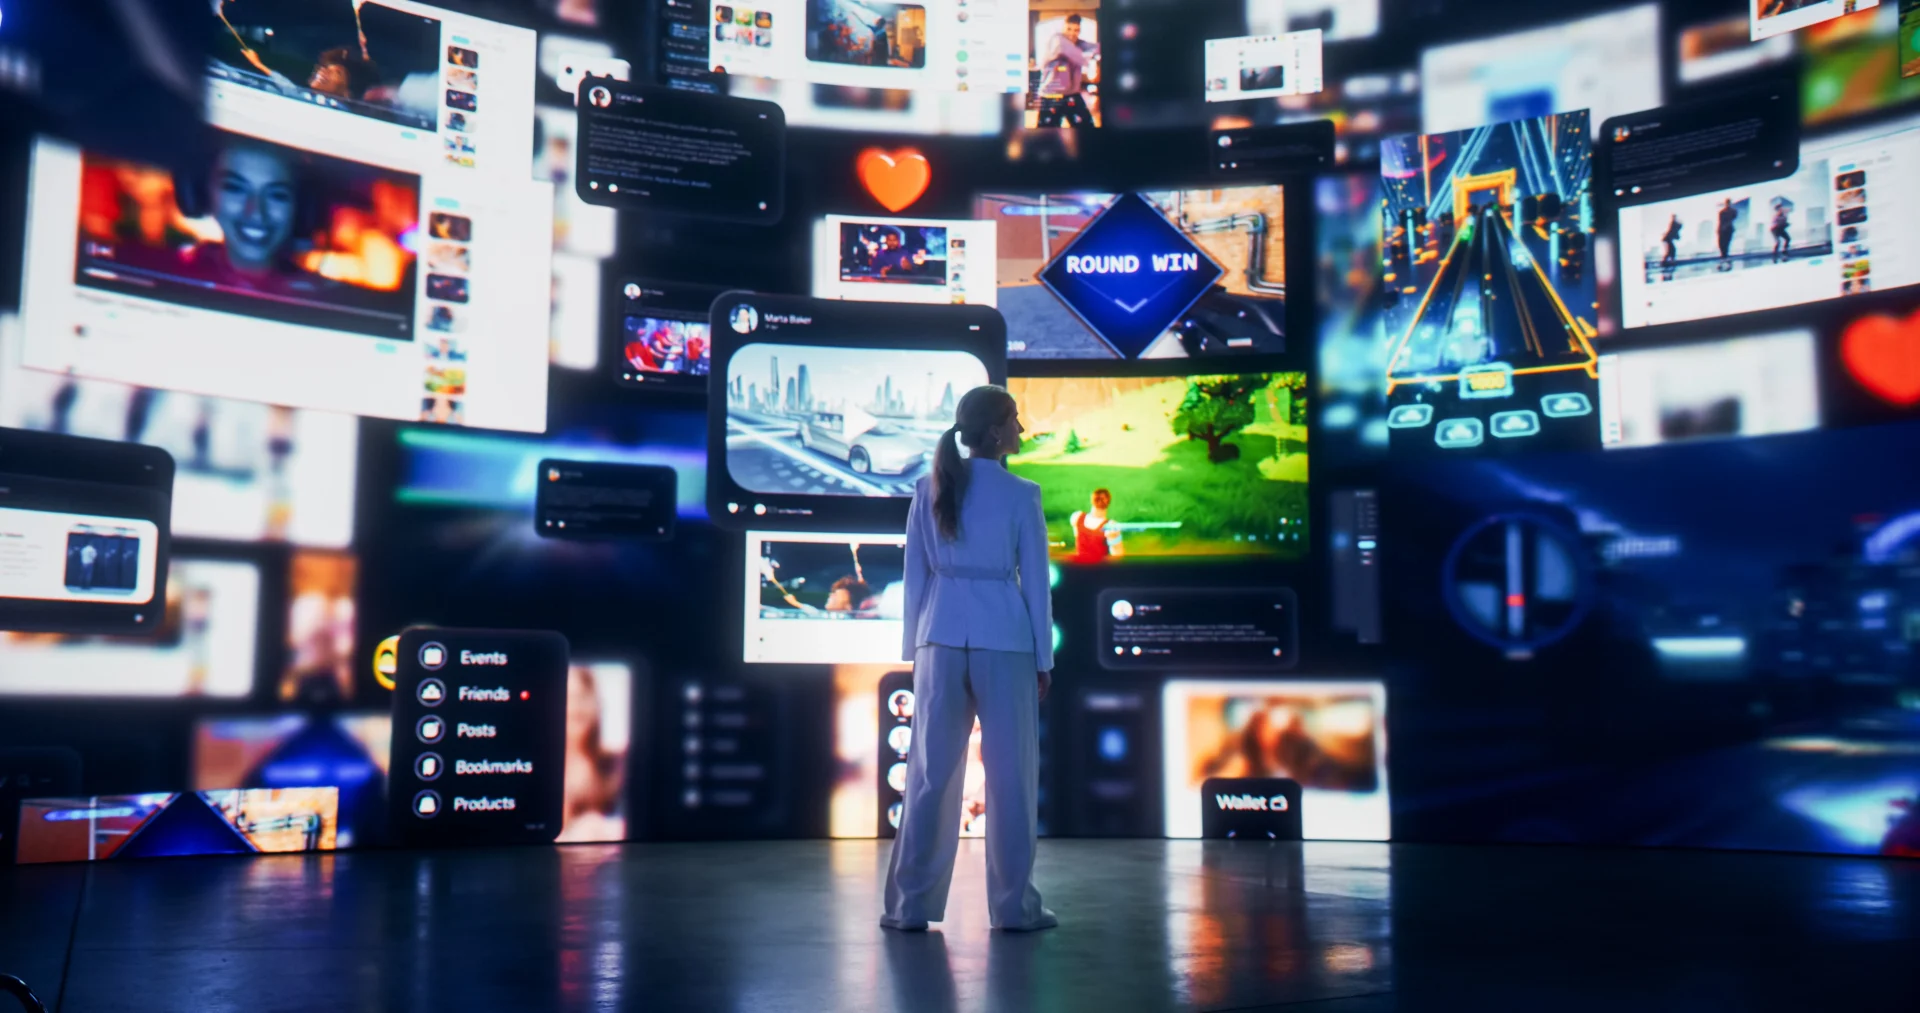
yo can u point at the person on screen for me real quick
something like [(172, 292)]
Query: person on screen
[(851, 594), (1782, 232), (592, 779), (1672, 239), (255, 195), (88, 557), (1063, 77), (696, 349), (979, 631), (880, 54), (1095, 538), (343, 73), (253, 192), (1727, 215), (894, 258)]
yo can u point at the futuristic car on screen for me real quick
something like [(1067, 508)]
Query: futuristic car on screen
[(867, 444)]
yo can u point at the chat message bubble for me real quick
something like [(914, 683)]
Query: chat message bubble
[(1737, 139), (582, 499), (680, 153), (1198, 629)]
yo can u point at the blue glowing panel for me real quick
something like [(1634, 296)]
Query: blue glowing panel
[(1130, 274)]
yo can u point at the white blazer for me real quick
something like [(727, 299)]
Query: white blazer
[(989, 587)]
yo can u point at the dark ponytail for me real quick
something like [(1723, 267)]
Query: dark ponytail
[(979, 410)]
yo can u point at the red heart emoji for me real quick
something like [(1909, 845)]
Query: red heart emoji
[(894, 178), (1883, 354)]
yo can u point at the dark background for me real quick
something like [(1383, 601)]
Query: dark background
[(1806, 738)]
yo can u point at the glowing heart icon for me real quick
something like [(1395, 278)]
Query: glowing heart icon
[(894, 178), (1883, 354)]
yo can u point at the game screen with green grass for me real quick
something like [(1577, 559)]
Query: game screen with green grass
[(1134, 468)]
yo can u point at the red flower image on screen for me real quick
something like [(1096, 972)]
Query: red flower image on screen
[(262, 230)]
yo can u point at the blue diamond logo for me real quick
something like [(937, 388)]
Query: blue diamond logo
[(1130, 274)]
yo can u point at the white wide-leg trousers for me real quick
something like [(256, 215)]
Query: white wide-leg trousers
[(949, 686)]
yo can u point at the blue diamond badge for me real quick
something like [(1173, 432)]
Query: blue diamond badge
[(1130, 274)]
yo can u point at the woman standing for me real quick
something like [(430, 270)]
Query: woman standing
[(979, 630)]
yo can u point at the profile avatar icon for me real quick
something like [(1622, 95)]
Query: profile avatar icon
[(599, 96), (1122, 610), (897, 777), (900, 739), (900, 704), (744, 319)]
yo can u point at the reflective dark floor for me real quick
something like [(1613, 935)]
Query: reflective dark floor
[(1146, 925)]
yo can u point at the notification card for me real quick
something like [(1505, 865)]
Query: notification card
[(589, 499), (680, 153), (1198, 629)]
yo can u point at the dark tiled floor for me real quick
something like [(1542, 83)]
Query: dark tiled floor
[(1148, 925)]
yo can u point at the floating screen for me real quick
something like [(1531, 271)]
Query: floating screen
[(1778, 17), (1854, 64), (1331, 737), (830, 410), (243, 471), (372, 60), (665, 342), (1843, 225), (583, 236), (206, 645), (1561, 573), (1263, 66), (1141, 468), (322, 666), (1490, 289), (1608, 64), (1363, 108), (359, 235), (1063, 78), (1153, 275), (599, 740), (1722, 48), (904, 260), (344, 751), (878, 110), (1352, 409), (1750, 386), (1339, 19), (84, 529), (818, 599), (662, 151), (430, 86), (936, 45), (239, 822)]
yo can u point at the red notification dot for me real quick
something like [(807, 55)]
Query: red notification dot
[(525, 694)]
